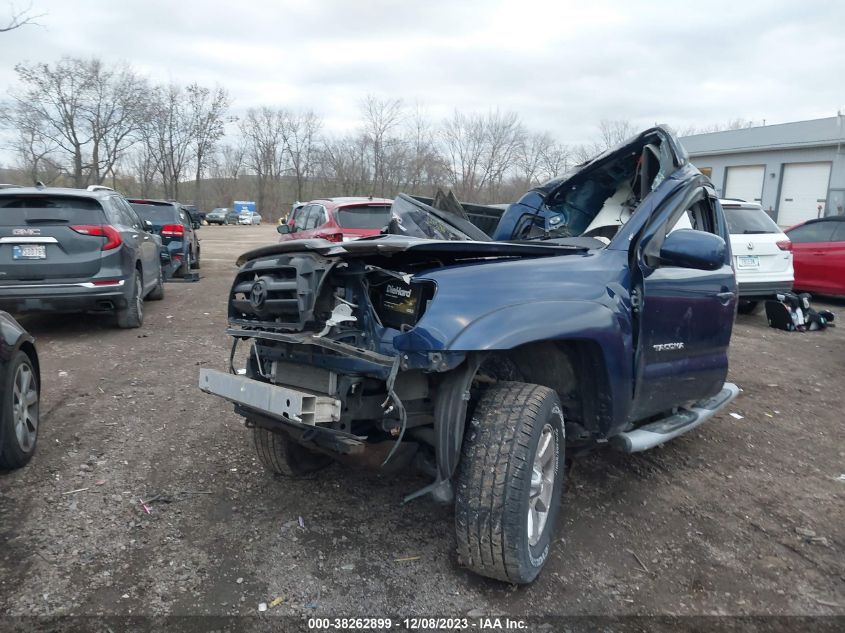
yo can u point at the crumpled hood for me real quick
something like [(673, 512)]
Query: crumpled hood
[(411, 249)]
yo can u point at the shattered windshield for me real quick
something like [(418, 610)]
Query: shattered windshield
[(602, 199), (412, 218)]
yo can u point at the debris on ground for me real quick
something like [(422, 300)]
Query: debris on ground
[(405, 559), (277, 601), (262, 606), (70, 492), (736, 416)]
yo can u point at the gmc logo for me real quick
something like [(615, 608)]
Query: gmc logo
[(26, 231)]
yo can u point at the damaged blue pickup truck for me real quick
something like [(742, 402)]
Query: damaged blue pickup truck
[(596, 311)]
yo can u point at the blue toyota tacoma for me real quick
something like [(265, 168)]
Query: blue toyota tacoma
[(597, 310)]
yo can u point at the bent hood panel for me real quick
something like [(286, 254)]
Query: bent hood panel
[(411, 249)]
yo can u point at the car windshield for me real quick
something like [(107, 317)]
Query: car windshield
[(364, 217), (155, 213), (412, 218), (745, 221)]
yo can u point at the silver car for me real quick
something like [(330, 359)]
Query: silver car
[(249, 217)]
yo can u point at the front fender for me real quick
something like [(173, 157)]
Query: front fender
[(515, 325)]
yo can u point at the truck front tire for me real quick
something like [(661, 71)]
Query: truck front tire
[(510, 482), (282, 456)]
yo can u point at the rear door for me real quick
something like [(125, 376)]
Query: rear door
[(685, 315), (38, 242), (148, 254), (811, 243)]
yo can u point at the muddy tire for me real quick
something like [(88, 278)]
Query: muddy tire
[(282, 456), (157, 293), (132, 316), (19, 416), (510, 481)]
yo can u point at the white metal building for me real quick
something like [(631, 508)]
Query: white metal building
[(795, 170)]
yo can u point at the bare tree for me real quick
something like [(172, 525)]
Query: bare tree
[(480, 151), (300, 134), (170, 136), (381, 117), (89, 114), (20, 18), (114, 113), (614, 131), (33, 155), (207, 108), (226, 167), (343, 166), (425, 167), (263, 133)]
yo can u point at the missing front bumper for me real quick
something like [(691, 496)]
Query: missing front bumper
[(273, 400)]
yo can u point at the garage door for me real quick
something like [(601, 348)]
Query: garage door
[(745, 183), (803, 189)]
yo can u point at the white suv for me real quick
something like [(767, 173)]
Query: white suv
[(762, 253)]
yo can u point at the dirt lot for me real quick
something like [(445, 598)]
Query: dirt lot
[(742, 516)]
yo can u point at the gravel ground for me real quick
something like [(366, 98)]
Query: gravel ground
[(742, 516)]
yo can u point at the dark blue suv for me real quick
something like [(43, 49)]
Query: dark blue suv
[(173, 223)]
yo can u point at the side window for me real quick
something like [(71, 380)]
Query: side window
[(699, 214), (301, 216), (113, 214), (838, 232), (313, 219), (121, 215), (815, 232)]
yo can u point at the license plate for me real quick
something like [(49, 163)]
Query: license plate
[(29, 251), (748, 261)]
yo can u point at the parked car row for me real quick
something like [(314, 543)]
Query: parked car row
[(223, 216), (807, 257), (75, 250)]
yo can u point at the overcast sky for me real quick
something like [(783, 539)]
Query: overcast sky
[(562, 66)]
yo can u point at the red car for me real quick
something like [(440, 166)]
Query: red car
[(818, 250), (337, 219)]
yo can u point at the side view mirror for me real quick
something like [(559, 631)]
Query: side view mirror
[(148, 226), (283, 229), (195, 224), (688, 248)]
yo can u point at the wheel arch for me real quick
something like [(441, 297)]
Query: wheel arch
[(28, 348), (576, 369)]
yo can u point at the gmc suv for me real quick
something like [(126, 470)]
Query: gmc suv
[(74, 250)]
